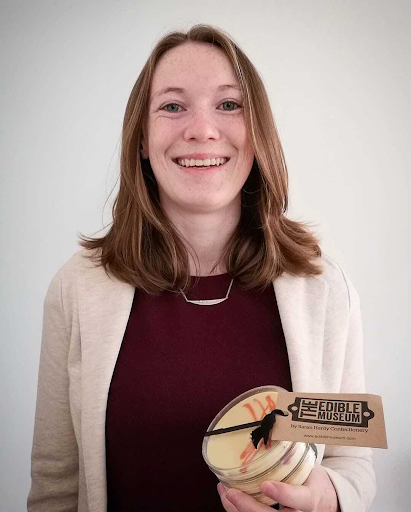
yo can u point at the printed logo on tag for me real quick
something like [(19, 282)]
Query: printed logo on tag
[(348, 413)]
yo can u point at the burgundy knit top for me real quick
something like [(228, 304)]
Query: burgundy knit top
[(178, 366)]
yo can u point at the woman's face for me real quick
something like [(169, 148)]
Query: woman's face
[(202, 120)]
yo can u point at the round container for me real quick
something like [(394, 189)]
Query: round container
[(231, 456)]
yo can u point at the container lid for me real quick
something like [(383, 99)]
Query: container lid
[(235, 450)]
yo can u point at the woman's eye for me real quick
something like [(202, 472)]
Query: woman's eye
[(230, 103), (176, 106), (171, 104)]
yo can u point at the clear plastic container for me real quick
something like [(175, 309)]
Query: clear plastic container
[(231, 456)]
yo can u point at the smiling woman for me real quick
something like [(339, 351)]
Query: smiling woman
[(199, 97), (131, 370)]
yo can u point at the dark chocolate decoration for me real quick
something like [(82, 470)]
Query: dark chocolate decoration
[(263, 431), (231, 429)]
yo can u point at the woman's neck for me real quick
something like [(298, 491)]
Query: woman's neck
[(207, 234)]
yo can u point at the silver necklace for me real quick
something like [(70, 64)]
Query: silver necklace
[(209, 302)]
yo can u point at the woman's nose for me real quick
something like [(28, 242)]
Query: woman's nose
[(201, 126)]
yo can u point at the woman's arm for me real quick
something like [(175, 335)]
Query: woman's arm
[(54, 459), (350, 468)]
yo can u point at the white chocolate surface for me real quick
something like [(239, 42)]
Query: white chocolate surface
[(229, 450)]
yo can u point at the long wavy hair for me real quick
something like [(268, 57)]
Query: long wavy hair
[(145, 249)]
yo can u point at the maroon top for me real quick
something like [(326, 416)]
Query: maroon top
[(178, 366)]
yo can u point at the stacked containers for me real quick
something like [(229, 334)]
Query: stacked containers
[(232, 457)]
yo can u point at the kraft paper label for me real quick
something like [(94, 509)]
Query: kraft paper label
[(331, 418)]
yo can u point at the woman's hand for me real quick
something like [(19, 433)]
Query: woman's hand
[(316, 495)]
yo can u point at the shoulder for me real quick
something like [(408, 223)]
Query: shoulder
[(81, 265), (81, 261), (332, 269), (337, 279)]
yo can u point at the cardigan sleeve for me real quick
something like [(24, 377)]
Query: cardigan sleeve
[(350, 468), (54, 457)]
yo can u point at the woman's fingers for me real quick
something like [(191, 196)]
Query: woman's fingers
[(245, 503), (295, 497), (228, 506)]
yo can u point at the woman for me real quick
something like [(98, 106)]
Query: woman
[(132, 368)]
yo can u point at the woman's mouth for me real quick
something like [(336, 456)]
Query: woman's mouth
[(201, 165)]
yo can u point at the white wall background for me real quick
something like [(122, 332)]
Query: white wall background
[(338, 76)]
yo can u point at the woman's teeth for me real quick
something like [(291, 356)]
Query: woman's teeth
[(185, 162)]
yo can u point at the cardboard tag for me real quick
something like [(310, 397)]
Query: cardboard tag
[(331, 418)]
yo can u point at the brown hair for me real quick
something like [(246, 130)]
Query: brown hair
[(144, 248)]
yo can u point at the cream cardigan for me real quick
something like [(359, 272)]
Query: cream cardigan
[(85, 317)]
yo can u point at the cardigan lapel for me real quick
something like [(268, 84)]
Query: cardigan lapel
[(302, 303), (104, 308)]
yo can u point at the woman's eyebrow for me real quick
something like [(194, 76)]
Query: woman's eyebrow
[(181, 90)]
